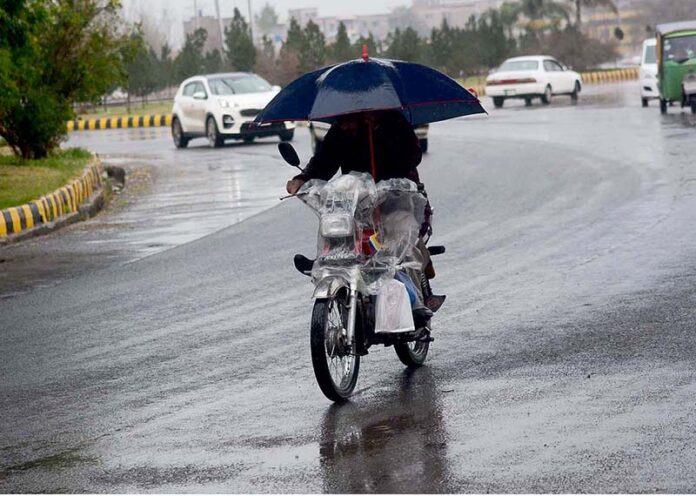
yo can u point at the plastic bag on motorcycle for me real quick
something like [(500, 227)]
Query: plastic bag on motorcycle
[(366, 231)]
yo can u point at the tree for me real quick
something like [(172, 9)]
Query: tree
[(239, 46), (212, 61), (142, 70), (442, 46), (166, 67), (579, 4), (266, 60), (539, 11), (509, 15), (494, 46), (266, 20), (313, 54), (289, 60), (53, 54), (341, 49), (405, 45), (190, 60)]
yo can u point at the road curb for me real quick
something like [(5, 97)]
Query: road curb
[(611, 76), (79, 199), (153, 120)]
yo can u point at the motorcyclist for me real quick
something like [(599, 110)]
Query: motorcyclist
[(396, 155)]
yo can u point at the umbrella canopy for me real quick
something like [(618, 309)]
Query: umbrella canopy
[(421, 93)]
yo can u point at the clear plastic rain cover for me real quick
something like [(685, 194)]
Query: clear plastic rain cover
[(366, 230)]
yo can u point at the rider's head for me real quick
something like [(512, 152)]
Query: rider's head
[(350, 123)]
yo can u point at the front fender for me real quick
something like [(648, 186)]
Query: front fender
[(329, 287)]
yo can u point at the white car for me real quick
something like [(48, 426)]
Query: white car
[(648, 72), (318, 130), (223, 106), (532, 77)]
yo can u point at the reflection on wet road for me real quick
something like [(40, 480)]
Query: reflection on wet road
[(563, 361), (366, 448)]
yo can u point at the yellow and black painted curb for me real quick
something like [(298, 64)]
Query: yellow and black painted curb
[(154, 120), (611, 76), (53, 206)]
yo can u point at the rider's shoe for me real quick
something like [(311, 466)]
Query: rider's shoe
[(434, 302)]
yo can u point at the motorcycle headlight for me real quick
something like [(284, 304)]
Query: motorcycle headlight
[(336, 225)]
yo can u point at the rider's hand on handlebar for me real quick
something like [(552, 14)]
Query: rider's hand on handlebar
[(294, 185)]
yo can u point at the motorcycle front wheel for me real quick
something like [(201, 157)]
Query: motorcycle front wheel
[(336, 365)]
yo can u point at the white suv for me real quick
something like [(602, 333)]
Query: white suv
[(223, 106)]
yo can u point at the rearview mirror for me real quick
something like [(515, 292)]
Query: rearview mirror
[(200, 95), (288, 153)]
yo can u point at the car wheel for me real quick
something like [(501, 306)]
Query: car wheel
[(546, 97), (644, 101), (527, 102), (498, 101), (693, 105), (180, 139), (576, 91), (423, 145), (663, 106), (211, 131), (249, 139), (287, 135)]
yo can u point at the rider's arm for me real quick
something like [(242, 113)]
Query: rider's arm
[(325, 162)]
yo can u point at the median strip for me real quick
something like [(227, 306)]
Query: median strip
[(79, 198)]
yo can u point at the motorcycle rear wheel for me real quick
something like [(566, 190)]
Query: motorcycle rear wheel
[(336, 366), (412, 354)]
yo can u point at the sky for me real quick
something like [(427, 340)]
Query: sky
[(179, 10)]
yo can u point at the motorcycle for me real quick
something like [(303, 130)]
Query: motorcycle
[(363, 294)]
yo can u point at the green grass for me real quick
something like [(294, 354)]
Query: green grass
[(25, 180), (137, 109)]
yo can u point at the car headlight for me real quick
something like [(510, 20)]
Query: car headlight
[(224, 103), (336, 225)]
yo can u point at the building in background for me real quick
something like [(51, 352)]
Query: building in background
[(457, 12)]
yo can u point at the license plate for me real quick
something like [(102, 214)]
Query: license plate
[(510, 92)]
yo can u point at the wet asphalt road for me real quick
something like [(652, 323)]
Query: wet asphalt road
[(564, 358)]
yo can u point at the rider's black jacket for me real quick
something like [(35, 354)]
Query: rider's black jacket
[(397, 152)]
